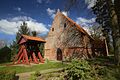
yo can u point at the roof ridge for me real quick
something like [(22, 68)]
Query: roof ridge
[(77, 25), (33, 37)]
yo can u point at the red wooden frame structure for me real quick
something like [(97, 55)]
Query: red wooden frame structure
[(29, 50)]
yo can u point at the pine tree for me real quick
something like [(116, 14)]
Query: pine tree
[(34, 33), (14, 46), (22, 30), (108, 17)]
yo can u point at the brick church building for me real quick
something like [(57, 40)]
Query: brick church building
[(67, 39)]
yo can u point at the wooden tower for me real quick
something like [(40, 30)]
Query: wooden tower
[(29, 50)]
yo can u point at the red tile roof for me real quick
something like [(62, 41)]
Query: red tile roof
[(33, 38)]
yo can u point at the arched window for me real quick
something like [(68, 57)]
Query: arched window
[(52, 29), (65, 25)]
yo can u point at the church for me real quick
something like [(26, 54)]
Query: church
[(67, 39)]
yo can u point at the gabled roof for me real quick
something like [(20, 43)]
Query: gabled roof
[(74, 23), (33, 38), (30, 38)]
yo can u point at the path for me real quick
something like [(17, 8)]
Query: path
[(26, 75)]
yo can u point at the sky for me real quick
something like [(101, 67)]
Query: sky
[(39, 15)]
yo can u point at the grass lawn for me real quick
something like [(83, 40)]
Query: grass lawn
[(21, 69), (105, 68)]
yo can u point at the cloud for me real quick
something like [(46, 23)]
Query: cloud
[(65, 13), (49, 25), (11, 25), (18, 9), (52, 12), (85, 23), (84, 20), (90, 3)]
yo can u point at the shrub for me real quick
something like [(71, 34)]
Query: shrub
[(7, 75), (79, 70), (37, 73), (5, 55), (46, 60)]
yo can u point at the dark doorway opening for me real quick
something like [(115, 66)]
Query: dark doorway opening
[(59, 54)]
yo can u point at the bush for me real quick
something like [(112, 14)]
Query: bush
[(78, 70), (7, 75), (37, 73), (5, 54)]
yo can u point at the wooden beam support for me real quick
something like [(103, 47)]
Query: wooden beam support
[(26, 56), (23, 59), (40, 57), (20, 58), (35, 58), (17, 56)]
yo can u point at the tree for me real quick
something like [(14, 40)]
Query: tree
[(115, 13), (5, 54), (96, 31), (14, 46), (108, 15), (34, 33), (102, 11), (22, 30)]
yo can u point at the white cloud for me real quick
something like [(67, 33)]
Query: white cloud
[(85, 23), (49, 25), (11, 25), (84, 20), (52, 12), (38, 27), (21, 18), (65, 13), (90, 3), (18, 9)]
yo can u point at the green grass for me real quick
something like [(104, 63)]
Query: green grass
[(39, 67), (105, 68)]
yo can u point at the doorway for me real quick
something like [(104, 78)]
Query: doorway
[(59, 54)]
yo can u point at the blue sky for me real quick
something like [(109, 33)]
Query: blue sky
[(39, 15)]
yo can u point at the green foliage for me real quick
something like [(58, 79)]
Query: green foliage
[(5, 54), (7, 75), (14, 46), (22, 30), (37, 73), (34, 33), (41, 48), (14, 49), (79, 70), (46, 61)]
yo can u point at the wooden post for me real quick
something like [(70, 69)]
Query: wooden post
[(26, 56), (20, 58), (20, 51), (106, 46), (40, 57), (23, 59), (35, 58)]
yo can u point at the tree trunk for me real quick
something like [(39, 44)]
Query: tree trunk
[(115, 33), (117, 10)]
